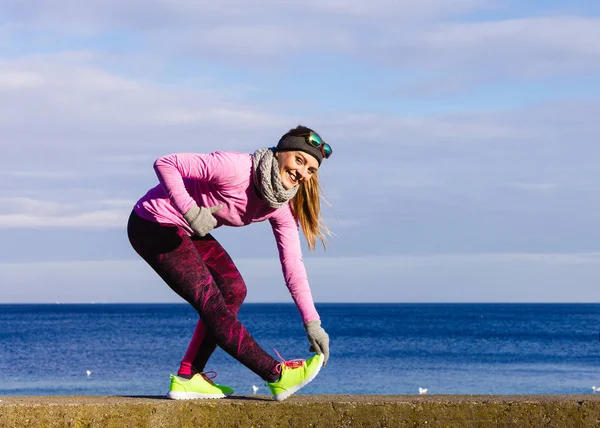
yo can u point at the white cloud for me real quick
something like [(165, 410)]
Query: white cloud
[(252, 39), (404, 34), (399, 11), (32, 213), (534, 187), (74, 128), (558, 33), (533, 47), (88, 220), (519, 277), (84, 119), (528, 47), (153, 14), (55, 175), (12, 80), (101, 124)]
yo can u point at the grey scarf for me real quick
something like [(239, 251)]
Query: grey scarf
[(267, 179)]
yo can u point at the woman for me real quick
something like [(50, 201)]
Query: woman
[(170, 229)]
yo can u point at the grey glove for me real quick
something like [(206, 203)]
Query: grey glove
[(201, 219), (318, 338)]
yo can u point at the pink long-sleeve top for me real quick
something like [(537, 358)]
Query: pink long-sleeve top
[(226, 178)]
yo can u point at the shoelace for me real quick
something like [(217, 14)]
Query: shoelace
[(208, 378), (292, 364)]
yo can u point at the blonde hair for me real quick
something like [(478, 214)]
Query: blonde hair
[(306, 206)]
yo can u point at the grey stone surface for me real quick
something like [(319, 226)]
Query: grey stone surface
[(309, 411)]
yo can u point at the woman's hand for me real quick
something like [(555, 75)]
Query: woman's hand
[(318, 338), (201, 219)]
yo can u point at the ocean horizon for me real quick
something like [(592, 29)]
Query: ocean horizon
[(376, 348)]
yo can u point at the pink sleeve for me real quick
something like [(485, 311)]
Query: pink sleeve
[(172, 169), (285, 229)]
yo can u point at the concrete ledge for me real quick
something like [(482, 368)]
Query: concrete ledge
[(305, 411)]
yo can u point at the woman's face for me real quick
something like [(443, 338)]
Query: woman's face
[(296, 166)]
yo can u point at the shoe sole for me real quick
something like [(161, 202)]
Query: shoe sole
[(181, 395), (285, 394)]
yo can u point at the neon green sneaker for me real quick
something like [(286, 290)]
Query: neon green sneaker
[(199, 386), (294, 375)]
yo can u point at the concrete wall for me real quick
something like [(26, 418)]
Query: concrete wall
[(304, 411)]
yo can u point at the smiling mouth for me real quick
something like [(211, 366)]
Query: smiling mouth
[(292, 178)]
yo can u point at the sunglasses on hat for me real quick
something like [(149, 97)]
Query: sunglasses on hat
[(314, 140)]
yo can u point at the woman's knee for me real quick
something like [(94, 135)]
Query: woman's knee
[(237, 291)]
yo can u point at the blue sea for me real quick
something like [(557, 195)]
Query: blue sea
[(131, 349)]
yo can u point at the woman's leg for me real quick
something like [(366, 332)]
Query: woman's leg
[(173, 255), (233, 288)]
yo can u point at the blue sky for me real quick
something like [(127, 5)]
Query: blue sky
[(465, 137)]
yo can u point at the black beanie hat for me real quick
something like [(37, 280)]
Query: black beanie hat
[(290, 142)]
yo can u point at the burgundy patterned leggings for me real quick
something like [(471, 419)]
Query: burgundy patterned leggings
[(201, 272)]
